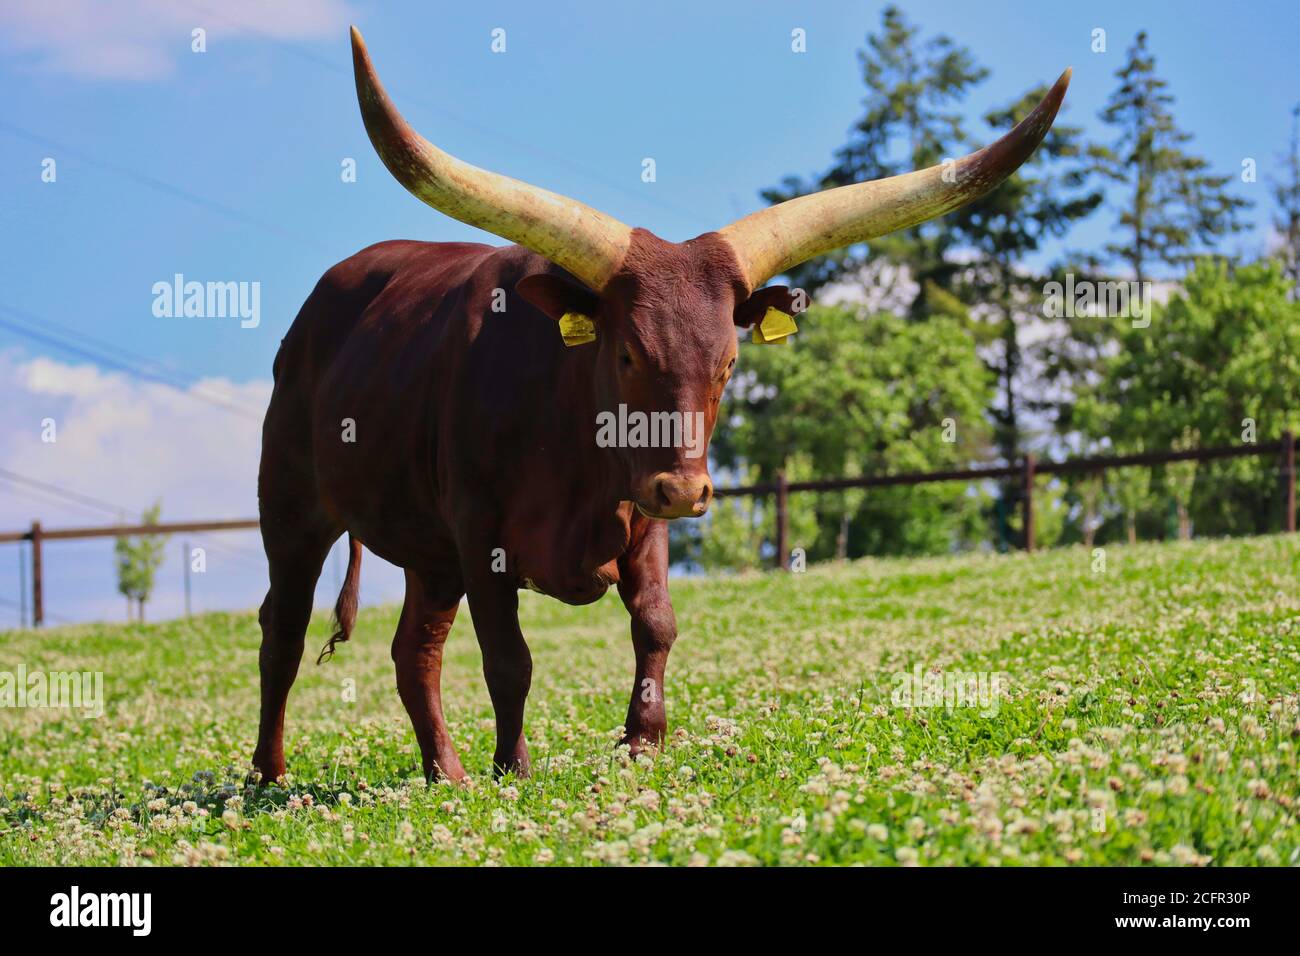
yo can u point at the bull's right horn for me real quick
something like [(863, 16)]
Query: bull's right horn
[(587, 243)]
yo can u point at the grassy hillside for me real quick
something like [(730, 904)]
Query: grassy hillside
[(1149, 714)]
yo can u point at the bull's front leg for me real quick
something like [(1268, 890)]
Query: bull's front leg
[(507, 664), (643, 586)]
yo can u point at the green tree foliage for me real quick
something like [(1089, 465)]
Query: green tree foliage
[(1130, 489), (868, 394), (1224, 353), (137, 560), (739, 534)]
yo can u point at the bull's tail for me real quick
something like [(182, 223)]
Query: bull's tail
[(345, 609)]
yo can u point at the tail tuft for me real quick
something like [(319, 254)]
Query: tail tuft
[(345, 609)]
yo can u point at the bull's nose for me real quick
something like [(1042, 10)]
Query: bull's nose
[(679, 496)]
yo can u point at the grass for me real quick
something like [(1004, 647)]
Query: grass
[(1148, 715)]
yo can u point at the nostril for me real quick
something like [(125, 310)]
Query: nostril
[(662, 495), (706, 495)]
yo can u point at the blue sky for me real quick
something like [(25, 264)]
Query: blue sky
[(225, 165)]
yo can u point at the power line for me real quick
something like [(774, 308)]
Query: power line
[(89, 501), (185, 383), (162, 186), (46, 499), (132, 364), (515, 144), (56, 618), (144, 361), (238, 215), (75, 496)]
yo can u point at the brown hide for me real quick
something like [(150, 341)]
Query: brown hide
[(459, 443), (471, 423)]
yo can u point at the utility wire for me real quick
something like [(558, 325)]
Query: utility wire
[(515, 144), (176, 380), (46, 498), (88, 501), (148, 363), (75, 496), (162, 186)]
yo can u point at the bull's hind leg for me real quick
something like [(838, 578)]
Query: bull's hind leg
[(417, 653), (295, 559)]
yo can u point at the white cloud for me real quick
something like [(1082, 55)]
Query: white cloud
[(128, 443), (141, 40)]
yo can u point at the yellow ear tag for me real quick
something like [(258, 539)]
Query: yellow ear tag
[(577, 329), (775, 328)]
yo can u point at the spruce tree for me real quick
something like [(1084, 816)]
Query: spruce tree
[(912, 86), (1172, 207), (1286, 192)]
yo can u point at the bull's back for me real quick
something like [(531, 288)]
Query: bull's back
[(408, 275), (362, 377)]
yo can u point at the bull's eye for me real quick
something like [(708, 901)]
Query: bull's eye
[(624, 357)]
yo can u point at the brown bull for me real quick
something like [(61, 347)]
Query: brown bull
[(427, 405)]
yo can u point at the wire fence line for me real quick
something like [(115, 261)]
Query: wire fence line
[(1025, 471)]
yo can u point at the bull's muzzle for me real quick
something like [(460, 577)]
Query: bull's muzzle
[(672, 495)]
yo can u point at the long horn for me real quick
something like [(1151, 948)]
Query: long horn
[(587, 243), (774, 239)]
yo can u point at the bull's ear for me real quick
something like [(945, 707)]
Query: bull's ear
[(557, 295), (772, 297)]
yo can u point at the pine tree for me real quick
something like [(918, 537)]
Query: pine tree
[(1171, 209), (1176, 209), (911, 84), (1286, 193)]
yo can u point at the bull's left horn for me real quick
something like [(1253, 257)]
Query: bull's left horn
[(774, 239), (587, 243)]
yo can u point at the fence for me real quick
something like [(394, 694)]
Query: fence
[(38, 536), (1026, 471)]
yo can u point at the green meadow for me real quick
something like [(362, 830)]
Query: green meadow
[(1140, 714)]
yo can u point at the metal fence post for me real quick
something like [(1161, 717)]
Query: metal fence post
[(1027, 483), (782, 523), (22, 586), (1288, 481), (185, 567), (38, 597)]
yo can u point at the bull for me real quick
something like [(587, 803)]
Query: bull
[(431, 403)]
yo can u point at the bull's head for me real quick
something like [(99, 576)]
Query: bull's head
[(667, 312)]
